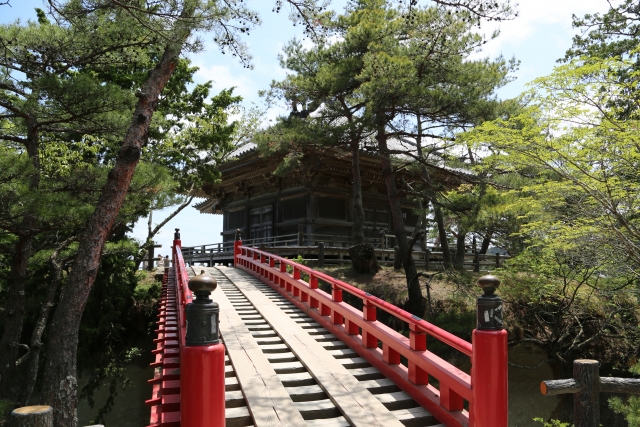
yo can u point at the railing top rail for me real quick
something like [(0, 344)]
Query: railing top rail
[(421, 324), (183, 294)]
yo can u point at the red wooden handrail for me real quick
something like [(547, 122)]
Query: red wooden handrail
[(362, 331), (183, 293), (202, 389)]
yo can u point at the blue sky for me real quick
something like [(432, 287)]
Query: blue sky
[(538, 37)]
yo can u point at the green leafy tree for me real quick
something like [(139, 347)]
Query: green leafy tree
[(46, 106), (579, 147), (413, 63), (171, 25), (630, 409), (202, 139)]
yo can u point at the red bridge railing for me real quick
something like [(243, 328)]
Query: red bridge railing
[(189, 389), (485, 389), (189, 382)]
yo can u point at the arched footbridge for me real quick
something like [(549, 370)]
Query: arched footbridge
[(291, 354)]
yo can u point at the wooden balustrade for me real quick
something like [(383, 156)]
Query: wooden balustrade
[(332, 249), (361, 330)]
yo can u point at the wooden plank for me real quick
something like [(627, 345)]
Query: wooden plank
[(397, 400), (237, 417), (415, 417), (234, 399), (306, 392), (328, 422), (313, 409), (266, 397), (355, 402)]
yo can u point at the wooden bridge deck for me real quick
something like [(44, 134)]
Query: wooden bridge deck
[(284, 369)]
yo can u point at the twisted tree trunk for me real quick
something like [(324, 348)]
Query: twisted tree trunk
[(60, 381)]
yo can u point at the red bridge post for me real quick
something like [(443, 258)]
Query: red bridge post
[(236, 248), (489, 360), (177, 243), (202, 400)]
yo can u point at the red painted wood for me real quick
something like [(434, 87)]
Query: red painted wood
[(202, 386), (455, 385), (489, 407), (426, 395)]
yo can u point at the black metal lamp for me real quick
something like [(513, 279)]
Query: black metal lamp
[(203, 314), (490, 308)]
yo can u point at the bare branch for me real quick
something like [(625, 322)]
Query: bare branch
[(13, 138)]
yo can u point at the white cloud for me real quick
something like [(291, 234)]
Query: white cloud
[(534, 14), (223, 77)]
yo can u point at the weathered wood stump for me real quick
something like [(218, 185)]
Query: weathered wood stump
[(363, 259), (32, 416)]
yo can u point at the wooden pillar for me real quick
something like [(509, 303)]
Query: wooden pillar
[(151, 256), (497, 260), (476, 261), (32, 416), (586, 410), (320, 254), (300, 233)]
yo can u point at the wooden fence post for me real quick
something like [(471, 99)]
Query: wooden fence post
[(497, 259), (586, 411), (476, 261), (586, 385), (383, 243), (300, 233), (397, 260), (320, 254), (32, 416)]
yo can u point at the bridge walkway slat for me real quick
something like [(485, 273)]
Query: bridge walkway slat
[(266, 397), (330, 384)]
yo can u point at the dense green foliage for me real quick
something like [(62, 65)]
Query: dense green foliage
[(567, 164), (386, 73)]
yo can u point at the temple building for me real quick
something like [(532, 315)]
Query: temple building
[(314, 199)]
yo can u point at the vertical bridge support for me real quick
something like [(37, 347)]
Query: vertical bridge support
[(202, 360), (489, 360), (188, 391)]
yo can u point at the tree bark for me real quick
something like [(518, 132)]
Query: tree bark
[(486, 241), (60, 383), (33, 357), (432, 197), (415, 304), (442, 235), (358, 208), (14, 318), (32, 416)]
